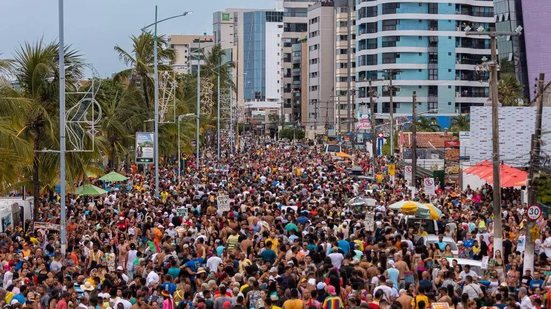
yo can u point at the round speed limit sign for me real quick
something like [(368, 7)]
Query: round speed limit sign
[(534, 212)]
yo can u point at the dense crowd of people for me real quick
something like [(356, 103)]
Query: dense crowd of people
[(287, 238)]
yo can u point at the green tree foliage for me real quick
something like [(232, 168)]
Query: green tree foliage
[(30, 118), (140, 61), (509, 90), (460, 123), (425, 124), (543, 185)]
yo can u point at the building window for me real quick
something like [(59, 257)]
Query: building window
[(390, 41), (370, 11), (367, 28), (389, 25), (367, 44), (367, 60), (314, 61), (314, 34), (433, 74), (390, 57), (367, 75), (313, 47), (390, 8), (433, 58), (313, 88), (314, 20), (433, 8), (313, 74), (432, 107), (343, 37)]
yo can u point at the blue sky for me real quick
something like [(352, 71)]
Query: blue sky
[(95, 26)]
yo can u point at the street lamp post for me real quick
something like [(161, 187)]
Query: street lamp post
[(62, 119), (156, 92), (198, 114), (498, 237), (218, 114)]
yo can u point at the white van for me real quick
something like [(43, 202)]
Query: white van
[(332, 148), (430, 226), (21, 210), (6, 218)]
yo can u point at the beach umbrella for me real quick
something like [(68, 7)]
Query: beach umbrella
[(434, 212), (113, 177), (89, 190), (427, 211)]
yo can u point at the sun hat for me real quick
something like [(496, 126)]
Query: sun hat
[(88, 286)]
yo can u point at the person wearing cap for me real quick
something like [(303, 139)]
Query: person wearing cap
[(332, 301)]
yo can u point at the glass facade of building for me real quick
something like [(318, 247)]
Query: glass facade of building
[(254, 53)]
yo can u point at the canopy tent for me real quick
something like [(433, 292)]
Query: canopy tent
[(113, 177), (89, 190), (483, 172)]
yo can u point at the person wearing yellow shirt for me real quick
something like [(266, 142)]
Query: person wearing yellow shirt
[(359, 244), (420, 297), (275, 242), (164, 196), (422, 232), (294, 302)]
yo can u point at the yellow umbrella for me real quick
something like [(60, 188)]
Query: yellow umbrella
[(343, 155), (409, 208), (434, 212)]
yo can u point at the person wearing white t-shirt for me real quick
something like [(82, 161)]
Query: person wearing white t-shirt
[(547, 245), (213, 262), (336, 258)]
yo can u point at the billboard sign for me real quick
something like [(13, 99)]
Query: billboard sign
[(144, 147)]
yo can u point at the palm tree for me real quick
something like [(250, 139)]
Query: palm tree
[(509, 90), (34, 106), (215, 63), (424, 124), (460, 123), (140, 60), (121, 117)]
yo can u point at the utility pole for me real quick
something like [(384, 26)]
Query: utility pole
[(218, 112), (498, 240), (496, 204), (391, 114), (62, 119), (338, 128), (373, 137), (349, 68), (534, 164), (198, 113), (414, 141)]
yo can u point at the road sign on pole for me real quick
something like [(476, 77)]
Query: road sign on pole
[(408, 173), (429, 186), (534, 212)]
